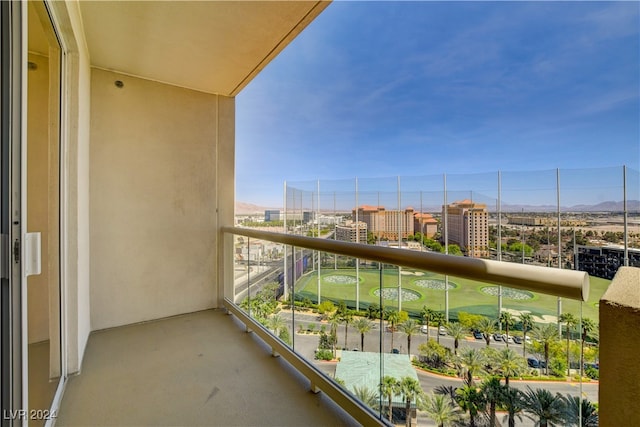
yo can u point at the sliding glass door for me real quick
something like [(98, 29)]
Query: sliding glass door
[(43, 213), (32, 364)]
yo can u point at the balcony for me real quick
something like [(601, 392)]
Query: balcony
[(144, 205)]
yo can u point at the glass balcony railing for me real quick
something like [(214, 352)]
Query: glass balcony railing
[(359, 287), (394, 334)]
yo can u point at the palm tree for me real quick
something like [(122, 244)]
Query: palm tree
[(457, 332), (439, 319), (547, 335), (527, 323), (409, 327), (346, 317), (440, 409), (410, 389), (428, 316), (473, 361), (492, 391), (588, 326), (579, 412), (334, 322), (446, 390), (543, 407), (393, 316), (253, 307), (363, 326), (366, 395), (570, 322), (285, 336), (507, 320), (509, 364), (388, 388), (276, 323), (487, 326), (511, 400), (470, 399)]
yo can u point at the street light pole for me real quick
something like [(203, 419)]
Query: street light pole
[(522, 233)]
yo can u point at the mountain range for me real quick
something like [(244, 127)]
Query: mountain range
[(244, 208)]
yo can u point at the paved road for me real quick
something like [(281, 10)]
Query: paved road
[(258, 275), (372, 339)]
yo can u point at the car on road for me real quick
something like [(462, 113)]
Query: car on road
[(395, 351), (497, 337), (442, 330), (478, 335), (520, 340), (507, 338), (535, 363), (424, 329)]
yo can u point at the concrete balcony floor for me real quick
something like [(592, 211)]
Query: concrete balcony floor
[(195, 369)]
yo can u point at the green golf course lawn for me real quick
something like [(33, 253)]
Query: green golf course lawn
[(427, 289)]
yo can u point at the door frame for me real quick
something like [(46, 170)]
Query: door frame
[(13, 89)]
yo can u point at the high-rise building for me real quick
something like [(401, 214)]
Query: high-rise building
[(352, 232), (308, 216), (385, 224), (272, 215), (604, 261), (426, 224), (468, 227)]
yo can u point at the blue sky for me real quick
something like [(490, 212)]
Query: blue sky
[(385, 89)]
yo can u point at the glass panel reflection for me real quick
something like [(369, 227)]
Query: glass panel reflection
[(400, 354)]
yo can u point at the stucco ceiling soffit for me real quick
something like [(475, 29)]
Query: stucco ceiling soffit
[(210, 46)]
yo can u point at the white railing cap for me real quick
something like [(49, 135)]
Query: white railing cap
[(552, 281)]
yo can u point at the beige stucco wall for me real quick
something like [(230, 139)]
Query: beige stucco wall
[(225, 193), (153, 200), (619, 350)]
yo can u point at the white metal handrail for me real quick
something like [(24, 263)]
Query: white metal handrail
[(552, 281)]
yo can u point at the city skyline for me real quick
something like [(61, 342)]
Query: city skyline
[(390, 89)]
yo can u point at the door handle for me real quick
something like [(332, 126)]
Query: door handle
[(32, 254)]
